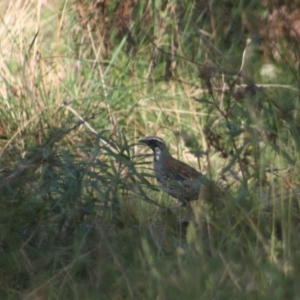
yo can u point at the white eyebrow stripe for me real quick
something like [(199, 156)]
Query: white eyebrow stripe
[(154, 138)]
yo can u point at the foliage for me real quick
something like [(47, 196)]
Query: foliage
[(81, 216)]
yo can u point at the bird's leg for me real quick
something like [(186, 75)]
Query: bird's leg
[(182, 204)]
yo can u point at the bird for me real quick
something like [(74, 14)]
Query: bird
[(176, 178)]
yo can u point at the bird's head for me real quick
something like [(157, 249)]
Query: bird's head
[(157, 145)]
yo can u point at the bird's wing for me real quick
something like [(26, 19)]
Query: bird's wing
[(182, 172)]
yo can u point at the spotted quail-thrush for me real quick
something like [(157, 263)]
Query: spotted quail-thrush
[(176, 178)]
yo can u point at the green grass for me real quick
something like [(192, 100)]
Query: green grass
[(81, 216)]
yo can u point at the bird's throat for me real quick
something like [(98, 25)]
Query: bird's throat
[(157, 154)]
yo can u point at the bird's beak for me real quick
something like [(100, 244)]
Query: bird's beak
[(142, 141)]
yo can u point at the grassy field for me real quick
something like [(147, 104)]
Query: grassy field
[(81, 216)]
